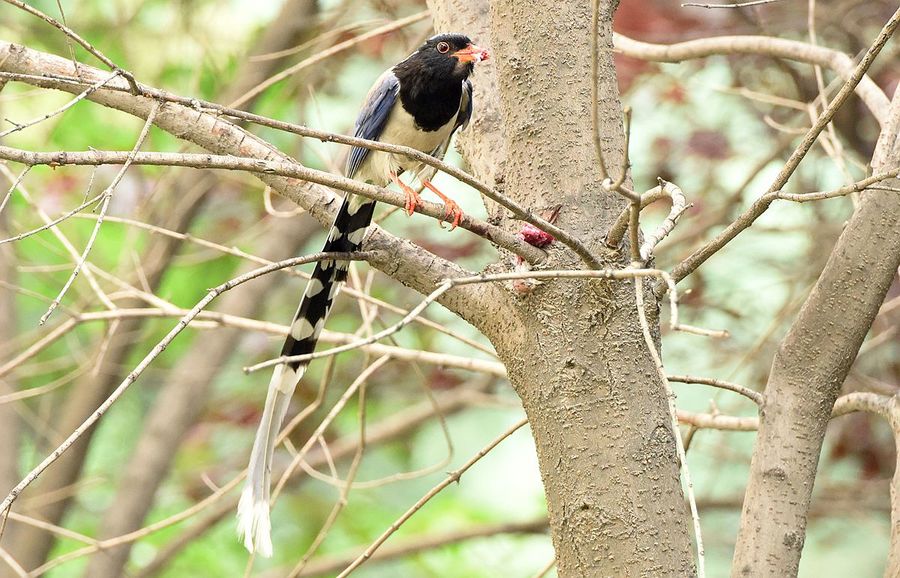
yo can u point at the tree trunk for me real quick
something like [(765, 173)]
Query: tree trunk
[(574, 350), (809, 369)]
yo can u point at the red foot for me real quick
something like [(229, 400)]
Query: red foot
[(453, 209), (413, 199)]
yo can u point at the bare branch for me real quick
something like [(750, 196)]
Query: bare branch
[(750, 394), (679, 206), (738, 5), (74, 36), (840, 63), (340, 47), (857, 187), (676, 432), (50, 224), (286, 169), (699, 256), (107, 197), (64, 241), (154, 353), (81, 96), (451, 478), (13, 187), (420, 544)]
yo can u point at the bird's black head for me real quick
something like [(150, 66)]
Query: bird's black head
[(445, 55)]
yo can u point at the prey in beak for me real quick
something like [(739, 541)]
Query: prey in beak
[(471, 53)]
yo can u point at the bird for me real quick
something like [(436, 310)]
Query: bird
[(420, 103)]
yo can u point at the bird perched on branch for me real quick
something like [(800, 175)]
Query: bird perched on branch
[(418, 103)]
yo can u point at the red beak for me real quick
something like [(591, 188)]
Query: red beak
[(471, 53)]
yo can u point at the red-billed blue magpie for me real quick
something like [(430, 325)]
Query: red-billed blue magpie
[(418, 103)]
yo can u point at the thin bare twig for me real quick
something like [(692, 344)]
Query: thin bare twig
[(679, 206), (699, 256), (331, 565), (328, 52), (543, 571), (620, 226), (676, 431), (873, 97), (54, 222), (326, 422), (64, 241), (107, 197), (451, 478), (329, 34), (754, 396), (81, 96), (84, 43), (486, 230), (856, 187), (11, 562), (14, 186), (738, 5), (351, 474), (153, 354)]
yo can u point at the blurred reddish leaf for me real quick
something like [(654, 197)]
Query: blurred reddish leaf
[(709, 144)]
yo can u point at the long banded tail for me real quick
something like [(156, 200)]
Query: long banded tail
[(346, 235)]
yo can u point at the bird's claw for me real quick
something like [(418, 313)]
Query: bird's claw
[(453, 215), (413, 200), (453, 209)]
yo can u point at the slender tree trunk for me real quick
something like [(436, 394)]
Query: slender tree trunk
[(808, 370), (574, 350), (9, 418), (893, 562)]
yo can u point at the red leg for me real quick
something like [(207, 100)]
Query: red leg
[(412, 197), (453, 209)]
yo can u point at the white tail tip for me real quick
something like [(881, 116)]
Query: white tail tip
[(254, 526)]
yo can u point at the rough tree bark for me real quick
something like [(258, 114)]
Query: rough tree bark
[(574, 351), (809, 368)]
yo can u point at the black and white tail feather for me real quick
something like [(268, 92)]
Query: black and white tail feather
[(345, 236), (379, 119)]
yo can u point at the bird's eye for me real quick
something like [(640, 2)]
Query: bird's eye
[(443, 47)]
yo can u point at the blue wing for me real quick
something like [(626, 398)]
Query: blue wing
[(373, 116), (465, 106)]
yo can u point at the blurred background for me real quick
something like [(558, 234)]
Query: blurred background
[(719, 127)]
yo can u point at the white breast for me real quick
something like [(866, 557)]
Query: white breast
[(401, 129)]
